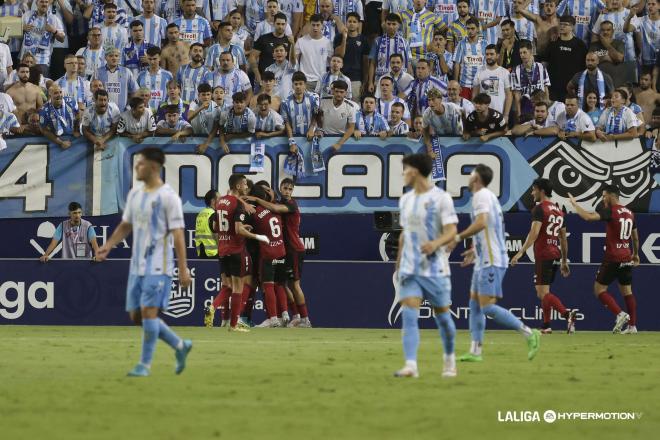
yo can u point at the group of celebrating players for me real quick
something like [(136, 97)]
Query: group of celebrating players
[(258, 245), (430, 234)]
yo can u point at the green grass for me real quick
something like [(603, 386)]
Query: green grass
[(69, 383)]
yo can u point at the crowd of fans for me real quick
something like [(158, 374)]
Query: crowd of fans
[(350, 68)]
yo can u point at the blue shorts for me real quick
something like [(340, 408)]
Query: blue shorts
[(437, 290), (488, 281), (148, 291)]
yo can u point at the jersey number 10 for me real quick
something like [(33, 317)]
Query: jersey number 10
[(626, 227)]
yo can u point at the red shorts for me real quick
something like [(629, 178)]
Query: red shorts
[(466, 92)]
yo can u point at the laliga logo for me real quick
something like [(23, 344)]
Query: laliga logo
[(45, 230), (182, 301), (18, 304)]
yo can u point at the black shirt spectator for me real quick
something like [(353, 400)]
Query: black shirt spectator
[(265, 45), (355, 54)]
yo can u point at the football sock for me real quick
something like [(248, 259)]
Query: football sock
[(280, 292), (506, 319), (447, 331), (302, 309), (269, 299), (547, 310), (235, 308), (149, 339), (556, 303), (475, 348), (609, 302), (249, 306), (168, 336), (244, 298), (477, 321), (294, 308), (631, 307), (225, 291), (410, 332)]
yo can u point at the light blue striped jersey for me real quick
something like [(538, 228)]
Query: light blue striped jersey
[(100, 124), (283, 73), (255, 11), (618, 19), (471, 56), (205, 119), (487, 11), (490, 242), (526, 29), (383, 47), (170, 10), (59, 120), (233, 81), (299, 115), (290, 7), (324, 85), (131, 55), (423, 217), (7, 121), (119, 84), (39, 42), (114, 36), (385, 107), (216, 10), (154, 29), (648, 28), (399, 129), (157, 83), (190, 77), (243, 123), (15, 10), (153, 216), (370, 125), (94, 58), (398, 6), (273, 121), (444, 9), (76, 89), (585, 13), (212, 61), (417, 92), (193, 30), (435, 59)]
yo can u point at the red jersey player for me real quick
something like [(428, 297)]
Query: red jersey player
[(295, 250), (232, 233), (620, 256), (547, 232), (271, 267)]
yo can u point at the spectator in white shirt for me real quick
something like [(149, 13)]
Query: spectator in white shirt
[(137, 123), (313, 52)]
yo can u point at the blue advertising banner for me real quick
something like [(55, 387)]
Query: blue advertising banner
[(341, 295), (38, 179)]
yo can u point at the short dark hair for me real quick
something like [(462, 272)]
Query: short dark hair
[(482, 98), (622, 92), (234, 179), (462, 1), (420, 161), (541, 104), (263, 183), (153, 154), (263, 97), (367, 95), (109, 6), (492, 46), (287, 181), (258, 191), (612, 189), (354, 15), (399, 105), (340, 84), (396, 55), (279, 15), (135, 23), (74, 206), (224, 24), (525, 44), (204, 88), (153, 50), (570, 95), (316, 18), (471, 20), (485, 173), (567, 19), (298, 76), (100, 92), (267, 76), (393, 17), (208, 197), (238, 97), (507, 22), (171, 25), (195, 45), (544, 185), (171, 109)]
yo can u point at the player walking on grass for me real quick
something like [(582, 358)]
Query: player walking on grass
[(547, 232), (619, 258), (231, 248), (155, 216), (491, 260), (429, 223)]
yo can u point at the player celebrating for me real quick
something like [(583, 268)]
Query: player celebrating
[(295, 250), (232, 233), (429, 223), (155, 216), (619, 258), (491, 261), (547, 232), (271, 258)]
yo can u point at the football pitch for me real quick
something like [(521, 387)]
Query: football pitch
[(69, 383)]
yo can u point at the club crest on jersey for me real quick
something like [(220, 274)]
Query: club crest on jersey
[(182, 301)]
